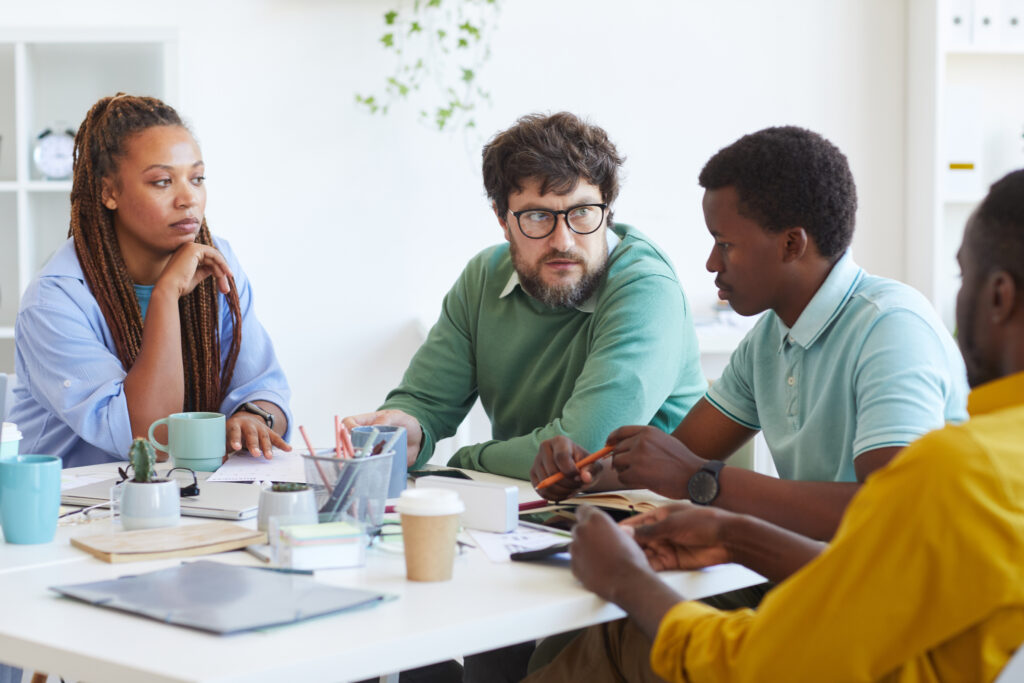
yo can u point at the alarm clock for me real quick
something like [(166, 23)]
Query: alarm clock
[(53, 153)]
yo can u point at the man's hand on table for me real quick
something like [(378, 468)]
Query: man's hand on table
[(607, 560), (395, 418)]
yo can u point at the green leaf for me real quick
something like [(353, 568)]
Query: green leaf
[(470, 29), (468, 75), (415, 28), (441, 34), (388, 39), (434, 3), (463, 43), (390, 17)]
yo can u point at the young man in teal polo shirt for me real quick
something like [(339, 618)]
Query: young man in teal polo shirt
[(571, 327), (843, 370)]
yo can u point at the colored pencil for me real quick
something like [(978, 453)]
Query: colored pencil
[(592, 458), (312, 453)]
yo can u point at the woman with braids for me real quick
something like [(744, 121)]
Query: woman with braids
[(141, 313)]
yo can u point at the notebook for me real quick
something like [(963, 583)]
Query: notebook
[(220, 500), (220, 598)]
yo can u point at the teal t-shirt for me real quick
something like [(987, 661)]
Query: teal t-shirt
[(867, 365), (630, 356), (143, 293)]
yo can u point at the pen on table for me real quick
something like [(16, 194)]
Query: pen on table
[(592, 458)]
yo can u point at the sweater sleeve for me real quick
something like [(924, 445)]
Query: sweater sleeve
[(439, 386), (904, 575), (643, 351)]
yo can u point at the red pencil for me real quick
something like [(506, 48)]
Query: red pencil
[(592, 458)]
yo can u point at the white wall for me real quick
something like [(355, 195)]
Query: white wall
[(352, 227)]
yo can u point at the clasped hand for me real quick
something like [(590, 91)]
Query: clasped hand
[(644, 457), (607, 556)]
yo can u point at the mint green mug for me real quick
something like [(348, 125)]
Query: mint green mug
[(194, 440)]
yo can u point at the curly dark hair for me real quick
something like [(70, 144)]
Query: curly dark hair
[(999, 228), (558, 150), (787, 177)]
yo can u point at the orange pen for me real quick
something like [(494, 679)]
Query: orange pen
[(592, 458)]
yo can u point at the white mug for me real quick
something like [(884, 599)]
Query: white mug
[(289, 507)]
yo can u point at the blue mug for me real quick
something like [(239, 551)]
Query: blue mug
[(399, 466), (30, 498)]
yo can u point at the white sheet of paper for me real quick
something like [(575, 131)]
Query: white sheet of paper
[(498, 546), (241, 466)]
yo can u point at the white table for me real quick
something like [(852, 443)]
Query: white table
[(485, 606)]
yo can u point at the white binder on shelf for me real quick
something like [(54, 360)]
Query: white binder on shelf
[(986, 23)]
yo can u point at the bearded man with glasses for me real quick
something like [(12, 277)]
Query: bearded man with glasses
[(573, 326)]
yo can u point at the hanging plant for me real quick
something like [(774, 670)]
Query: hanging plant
[(439, 47)]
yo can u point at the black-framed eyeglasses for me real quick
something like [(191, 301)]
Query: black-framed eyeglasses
[(186, 491), (539, 223)]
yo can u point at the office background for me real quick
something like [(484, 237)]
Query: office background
[(352, 227)]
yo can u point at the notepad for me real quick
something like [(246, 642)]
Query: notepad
[(220, 598), (181, 541)]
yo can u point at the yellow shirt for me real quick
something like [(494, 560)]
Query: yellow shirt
[(924, 580)]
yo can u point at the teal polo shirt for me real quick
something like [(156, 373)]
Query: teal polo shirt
[(867, 365)]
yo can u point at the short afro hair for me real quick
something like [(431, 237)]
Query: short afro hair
[(557, 150), (790, 177), (999, 228)]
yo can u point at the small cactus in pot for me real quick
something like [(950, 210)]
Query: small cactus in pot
[(154, 504), (143, 459)]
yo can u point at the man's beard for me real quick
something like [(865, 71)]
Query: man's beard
[(558, 296)]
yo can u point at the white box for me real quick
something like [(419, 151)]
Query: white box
[(963, 135), (489, 507)]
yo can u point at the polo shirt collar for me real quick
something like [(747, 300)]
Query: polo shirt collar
[(996, 395), (826, 304), (588, 306)]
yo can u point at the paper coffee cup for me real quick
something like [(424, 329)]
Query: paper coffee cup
[(430, 520)]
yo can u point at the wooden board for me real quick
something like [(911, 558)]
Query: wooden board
[(179, 541)]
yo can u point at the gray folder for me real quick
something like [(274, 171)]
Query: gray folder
[(220, 598)]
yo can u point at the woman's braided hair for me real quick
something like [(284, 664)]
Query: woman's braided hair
[(101, 141)]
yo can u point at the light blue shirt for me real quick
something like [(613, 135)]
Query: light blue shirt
[(867, 365), (70, 399)]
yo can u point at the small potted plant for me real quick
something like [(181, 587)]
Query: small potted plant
[(147, 501)]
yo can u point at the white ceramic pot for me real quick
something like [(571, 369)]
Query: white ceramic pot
[(151, 504), (289, 507)]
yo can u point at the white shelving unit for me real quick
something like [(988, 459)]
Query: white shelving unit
[(50, 78), (962, 94)]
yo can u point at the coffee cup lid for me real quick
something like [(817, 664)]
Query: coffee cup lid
[(429, 502), (10, 432)]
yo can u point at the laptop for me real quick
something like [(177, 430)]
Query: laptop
[(217, 499)]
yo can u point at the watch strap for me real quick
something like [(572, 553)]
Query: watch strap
[(251, 407), (711, 468)]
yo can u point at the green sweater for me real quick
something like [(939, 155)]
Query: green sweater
[(541, 372)]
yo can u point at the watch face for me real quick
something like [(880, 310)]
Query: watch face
[(703, 487), (53, 154)]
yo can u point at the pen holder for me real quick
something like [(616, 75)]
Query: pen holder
[(353, 488)]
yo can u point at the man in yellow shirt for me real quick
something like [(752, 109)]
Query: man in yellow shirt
[(924, 579)]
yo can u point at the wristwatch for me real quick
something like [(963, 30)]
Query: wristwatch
[(251, 407), (703, 485)]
